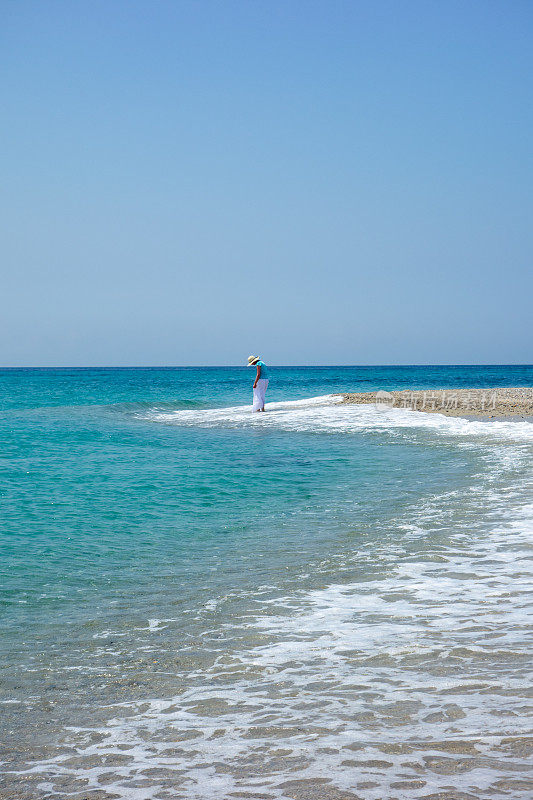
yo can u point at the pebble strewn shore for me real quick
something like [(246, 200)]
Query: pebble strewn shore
[(494, 402)]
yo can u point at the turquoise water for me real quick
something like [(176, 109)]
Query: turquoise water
[(199, 602)]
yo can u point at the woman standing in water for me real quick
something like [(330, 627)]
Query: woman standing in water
[(260, 383)]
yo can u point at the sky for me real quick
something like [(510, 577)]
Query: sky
[(333, 182)]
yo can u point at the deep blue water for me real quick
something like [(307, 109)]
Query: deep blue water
[(193, 387)]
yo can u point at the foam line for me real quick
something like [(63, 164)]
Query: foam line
[(326, 414)]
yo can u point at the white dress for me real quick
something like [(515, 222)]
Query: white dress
[(259, 394)]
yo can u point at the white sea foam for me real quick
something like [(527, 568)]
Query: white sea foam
[(156, 624), (326, 414)]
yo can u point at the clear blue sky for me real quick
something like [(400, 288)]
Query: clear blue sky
[(320, 182)]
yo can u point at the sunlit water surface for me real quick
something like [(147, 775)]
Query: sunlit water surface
[(323, 601)]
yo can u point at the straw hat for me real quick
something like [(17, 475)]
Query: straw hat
[(252, 360)]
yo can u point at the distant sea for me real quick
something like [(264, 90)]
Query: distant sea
[(323, 601)]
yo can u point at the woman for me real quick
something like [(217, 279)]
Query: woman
[(260, 383)]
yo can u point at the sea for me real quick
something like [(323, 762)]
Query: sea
[(321, 602)]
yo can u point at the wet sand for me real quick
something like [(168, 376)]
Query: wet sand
[(492, 403)]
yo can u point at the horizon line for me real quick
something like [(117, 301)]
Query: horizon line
[(245, 366)]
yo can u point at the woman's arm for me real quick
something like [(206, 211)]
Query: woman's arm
[(257, 376)]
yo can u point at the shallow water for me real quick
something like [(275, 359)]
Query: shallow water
[(323, 601)]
